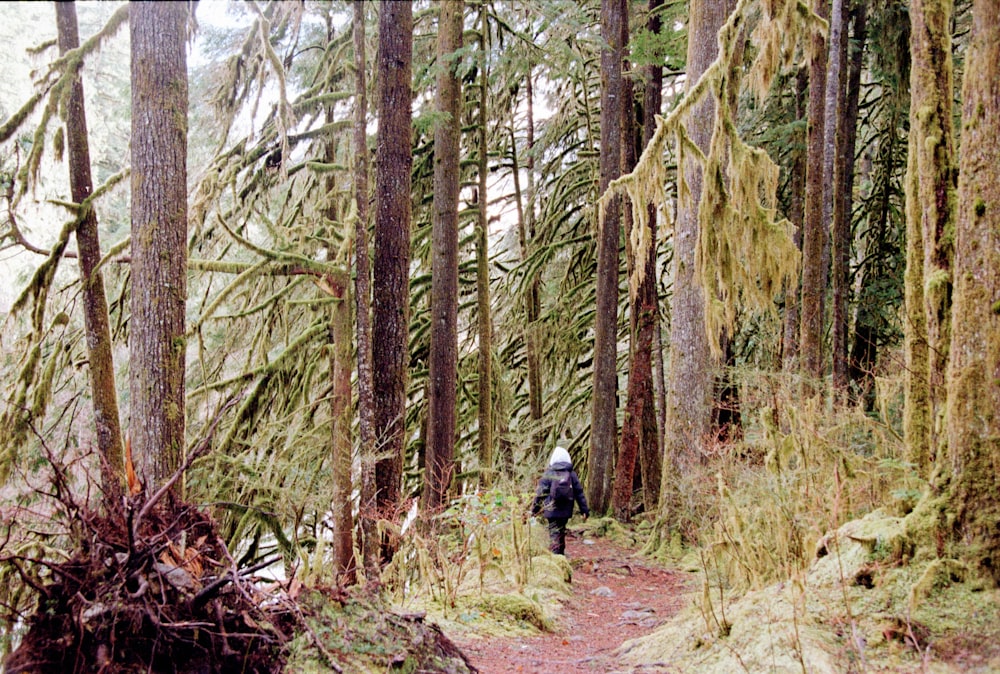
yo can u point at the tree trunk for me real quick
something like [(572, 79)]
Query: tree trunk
[(973, 409), (796, 186), (644, 309), (814, 226), (835, 106), (367, 512), (443, 367), (341, 414), (530, 299), (690, 376), (533, 300), (484, 311), (879, 260), (603, 424), (847, 134), (930, 215), (390, 315), (650, 449), (727, 418), (95, 304), (159, 237)]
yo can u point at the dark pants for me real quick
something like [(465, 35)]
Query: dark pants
[(557, 534)]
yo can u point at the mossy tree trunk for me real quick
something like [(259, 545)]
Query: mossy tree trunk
[(159, 237), (390, 314), (861, 354), (442, 378), (930, 206), (833, 108), (526, 235), (533, 299), (690, 375), (796, 186), (638, 445), (95, 304), (973, 408), (337, 284), (341, 412), (650, 449), (367, 514), (845, 116), (484, 311), (603, 418), (814, 229)]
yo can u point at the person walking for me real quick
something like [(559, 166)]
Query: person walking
[(558, 489)]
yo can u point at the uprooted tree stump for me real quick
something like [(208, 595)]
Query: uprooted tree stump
[(154, 590)]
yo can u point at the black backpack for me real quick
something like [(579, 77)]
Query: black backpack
[(561, 491)]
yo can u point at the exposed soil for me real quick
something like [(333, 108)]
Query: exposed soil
[(617, 595), (150, 591)]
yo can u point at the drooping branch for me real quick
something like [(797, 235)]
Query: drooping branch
[(739, 230)]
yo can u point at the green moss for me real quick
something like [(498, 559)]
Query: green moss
[(940, 573), (551, 572), (980, 208), (357, 633), (514, 607), (845, 554)]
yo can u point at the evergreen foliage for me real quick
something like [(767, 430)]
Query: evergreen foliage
[(271, 224)]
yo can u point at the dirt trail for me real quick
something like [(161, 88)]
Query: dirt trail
[(616, 596)]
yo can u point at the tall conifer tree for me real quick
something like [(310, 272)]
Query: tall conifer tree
[(159, 237), (391, 294)]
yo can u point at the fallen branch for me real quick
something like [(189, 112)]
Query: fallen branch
[(212, 588)]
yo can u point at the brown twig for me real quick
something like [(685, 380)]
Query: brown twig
[(212, 588)]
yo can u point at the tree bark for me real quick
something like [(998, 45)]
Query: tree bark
[(526, 236), (484, 310), (796, 209), (930, 216), (973, 409), (843, 198), (650, 449), (95, 304), (159, 237), (603, 420), (835, 108), (390, 315), (443, 367), (636, 441), (814, 229), (367, 511), (533, 299), (341, 413), (690, 376)]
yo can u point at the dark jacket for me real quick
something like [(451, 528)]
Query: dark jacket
[(543, 504)]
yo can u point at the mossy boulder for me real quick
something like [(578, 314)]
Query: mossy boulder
[(864, 599), (846, 552), (355, 632), (765, 631), (514, 607)]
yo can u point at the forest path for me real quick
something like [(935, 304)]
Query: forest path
[(617, 595)]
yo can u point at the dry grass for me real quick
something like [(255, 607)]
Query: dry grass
[(756, 508)]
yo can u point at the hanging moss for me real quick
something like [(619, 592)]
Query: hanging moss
[(744, 253)]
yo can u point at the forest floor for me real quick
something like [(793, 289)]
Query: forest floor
[(616, 595)]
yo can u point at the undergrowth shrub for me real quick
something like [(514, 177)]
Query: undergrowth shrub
[(482, 542), (756, 507)]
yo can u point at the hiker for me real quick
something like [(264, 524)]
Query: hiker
[(558, 488)]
